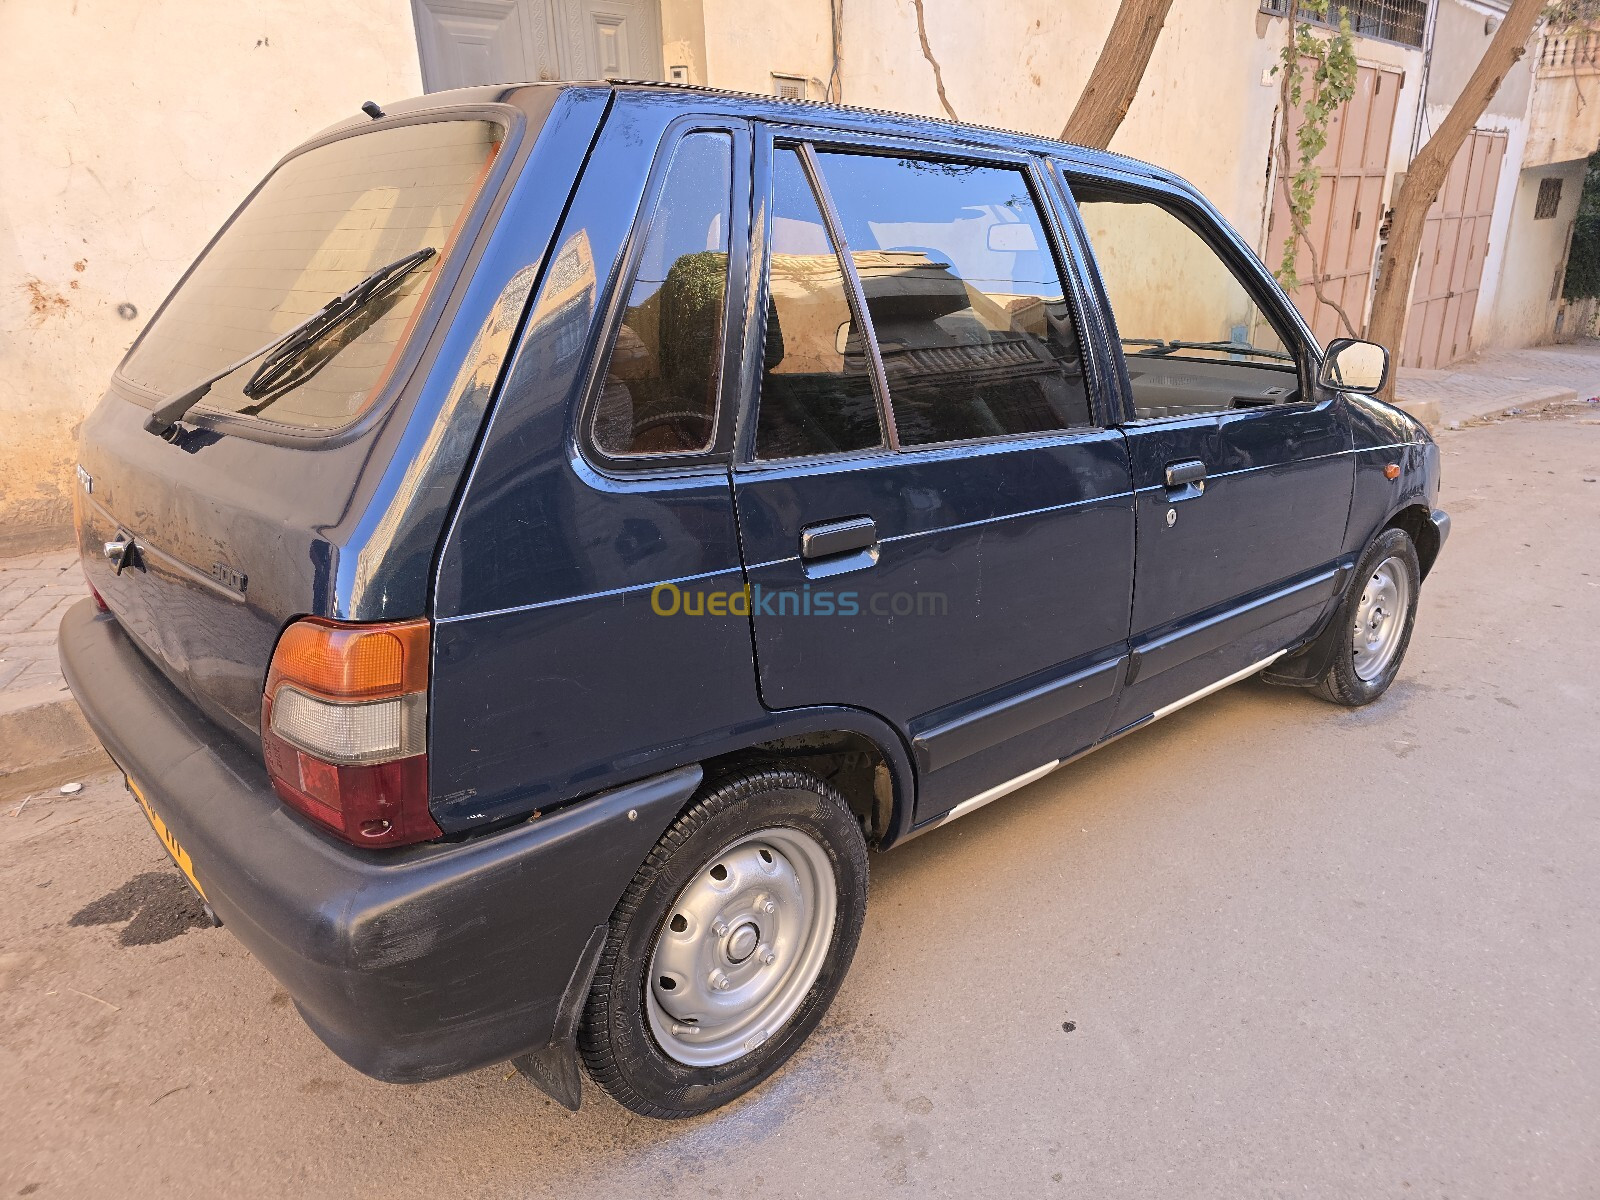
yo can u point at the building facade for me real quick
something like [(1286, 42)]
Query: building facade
[(114, 175)]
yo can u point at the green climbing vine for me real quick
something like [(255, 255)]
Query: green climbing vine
[(1317, 77)]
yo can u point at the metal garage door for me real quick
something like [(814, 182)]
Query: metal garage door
[(1344, 222), (1450, 266)]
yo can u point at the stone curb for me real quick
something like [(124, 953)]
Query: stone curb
[(45, 743), (1456, 414), (1426, 411), (1527, 402)]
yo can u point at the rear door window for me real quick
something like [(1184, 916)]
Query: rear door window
[(321, 222), (965, 299)]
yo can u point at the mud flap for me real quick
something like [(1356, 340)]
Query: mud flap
[(1304, 666), (553, 1069)]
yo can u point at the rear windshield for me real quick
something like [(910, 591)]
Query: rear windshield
[(321, 223)]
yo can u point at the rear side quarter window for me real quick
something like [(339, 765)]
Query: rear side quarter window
[(658, 392)]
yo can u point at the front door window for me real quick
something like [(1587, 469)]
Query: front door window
[(1194, 338)]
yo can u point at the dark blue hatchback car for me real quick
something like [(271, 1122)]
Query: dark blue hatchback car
[(553, 531)]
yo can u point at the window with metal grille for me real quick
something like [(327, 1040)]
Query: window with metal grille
[(1389, 20), (1549, 201), (789, 87)]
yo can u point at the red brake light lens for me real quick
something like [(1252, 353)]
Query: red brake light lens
[(344, 728)]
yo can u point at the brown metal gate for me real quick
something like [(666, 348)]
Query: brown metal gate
[(1450, 266), (1344, 221)]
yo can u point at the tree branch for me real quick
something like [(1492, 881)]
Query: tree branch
[(927, 53), (1117, 73), (834, 92)]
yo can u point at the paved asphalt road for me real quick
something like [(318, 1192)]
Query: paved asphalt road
[(1304, 952)]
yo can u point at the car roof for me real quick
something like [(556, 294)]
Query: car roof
[(781, 108), (906, 124)]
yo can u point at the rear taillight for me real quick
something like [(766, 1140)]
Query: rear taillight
[(98, 602), (344, 726)]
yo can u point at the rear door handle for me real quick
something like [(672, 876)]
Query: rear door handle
[(1181, 474), (831, 538)]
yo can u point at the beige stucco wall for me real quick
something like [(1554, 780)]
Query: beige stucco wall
[(1462, 32), (1524, 312), (113, 176), (132, 129), (1564, 118), (747, 42), (1202, 111)]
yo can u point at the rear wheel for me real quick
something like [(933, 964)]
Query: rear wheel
[(728, 946), (1376, 617)]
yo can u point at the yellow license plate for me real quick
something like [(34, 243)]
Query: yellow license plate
[(168, 839)]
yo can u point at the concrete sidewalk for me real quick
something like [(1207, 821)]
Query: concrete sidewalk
[(43, 737), (1500, 384)]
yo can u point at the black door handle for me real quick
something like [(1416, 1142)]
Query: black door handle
[(838, 537), (1182, 474)]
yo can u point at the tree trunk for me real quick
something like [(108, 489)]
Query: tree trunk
[(1427, 174), (1114, 82)]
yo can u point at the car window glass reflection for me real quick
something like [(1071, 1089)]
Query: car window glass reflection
[(967, 304)]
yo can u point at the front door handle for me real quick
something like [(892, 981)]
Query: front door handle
[(1182, 474), (832, 538)]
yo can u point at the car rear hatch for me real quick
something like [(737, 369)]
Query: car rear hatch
[(264, 505)]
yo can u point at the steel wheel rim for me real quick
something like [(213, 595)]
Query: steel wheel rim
[(1380, 620), (741, 947)]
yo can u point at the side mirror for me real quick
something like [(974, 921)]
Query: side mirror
[(1352, 366)]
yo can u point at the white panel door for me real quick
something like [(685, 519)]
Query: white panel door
[(610, 39), (466, 42)]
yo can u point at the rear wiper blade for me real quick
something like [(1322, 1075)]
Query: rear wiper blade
[(284, 350)]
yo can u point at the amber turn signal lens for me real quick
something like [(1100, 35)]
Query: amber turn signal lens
[(344, 662), (1392, 471)]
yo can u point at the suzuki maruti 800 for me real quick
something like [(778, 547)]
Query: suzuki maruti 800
[(552, 532)]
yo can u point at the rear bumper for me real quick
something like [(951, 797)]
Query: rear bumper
[(410, 965)]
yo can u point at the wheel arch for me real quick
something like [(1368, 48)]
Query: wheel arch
[(857, 752), (1305, 663)]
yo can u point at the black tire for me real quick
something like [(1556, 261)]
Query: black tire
[(1342, 682), (619, 1048)]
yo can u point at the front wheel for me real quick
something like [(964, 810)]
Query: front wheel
[(728, 946), (1376, 617)]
